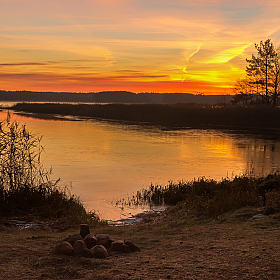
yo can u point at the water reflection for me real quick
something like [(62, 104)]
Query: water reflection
[(262, 154), (105, 161)]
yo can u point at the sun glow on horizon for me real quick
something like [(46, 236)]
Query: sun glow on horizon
[(153, 46)]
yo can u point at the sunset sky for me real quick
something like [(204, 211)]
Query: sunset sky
[(194, 46)]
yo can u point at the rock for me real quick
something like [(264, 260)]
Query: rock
[(105, 240), (99, 252), (79, 247), (90, 240), (120, 247), (84, 230), (73, 238), (132, 247), (86, 253), (64, 248)]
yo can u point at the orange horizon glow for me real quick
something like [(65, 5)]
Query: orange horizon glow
[(152, 46), (157, 87)]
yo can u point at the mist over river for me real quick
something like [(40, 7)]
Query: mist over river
[(104, 161)]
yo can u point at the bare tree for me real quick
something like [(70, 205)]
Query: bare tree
[(244, 92)]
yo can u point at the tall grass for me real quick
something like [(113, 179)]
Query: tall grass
[(25, 184), (213, 198)]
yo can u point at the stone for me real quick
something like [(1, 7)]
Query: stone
[(73, 238), (99, 252), (64, 248), (79, 246), (90, 240), (105, 240), (120, 247), (86, 253), (84, 230), (132, 247)]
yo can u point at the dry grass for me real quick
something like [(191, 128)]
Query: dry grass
[(196, 250), (25, 185), (209, 197)]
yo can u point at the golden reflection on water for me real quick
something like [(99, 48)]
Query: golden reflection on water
[(105, 161)]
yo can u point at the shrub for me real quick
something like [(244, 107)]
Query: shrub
[(20, 157), (25, 185), (213, 198)]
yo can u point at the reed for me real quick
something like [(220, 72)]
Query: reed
[(25, 184), (211, 197)]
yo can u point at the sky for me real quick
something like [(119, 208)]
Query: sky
[(188, 46)]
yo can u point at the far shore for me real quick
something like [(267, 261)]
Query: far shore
[(258, 119)]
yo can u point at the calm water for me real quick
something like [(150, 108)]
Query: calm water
[(105, 161)]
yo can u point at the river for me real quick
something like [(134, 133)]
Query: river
[(104, 161)]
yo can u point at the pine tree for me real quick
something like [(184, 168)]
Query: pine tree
[(264, 70)]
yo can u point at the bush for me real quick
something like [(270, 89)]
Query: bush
[(20, 157), (25, 185), (213, 198)]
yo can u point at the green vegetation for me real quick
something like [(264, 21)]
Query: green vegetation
[(25, 185), (168, 115), (212, 198)]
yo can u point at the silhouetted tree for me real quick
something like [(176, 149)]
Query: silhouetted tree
[(275, 80), (264, 70), (244, 92)]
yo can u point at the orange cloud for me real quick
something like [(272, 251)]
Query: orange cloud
[(90, 45)]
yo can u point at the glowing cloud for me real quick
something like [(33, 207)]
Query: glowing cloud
[(163, 46)]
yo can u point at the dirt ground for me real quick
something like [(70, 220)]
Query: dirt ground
[(212, 250)]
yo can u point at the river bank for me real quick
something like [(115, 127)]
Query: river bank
[(238, 246), (261, 119)]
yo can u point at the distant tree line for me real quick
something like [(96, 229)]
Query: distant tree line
[(262, 82)]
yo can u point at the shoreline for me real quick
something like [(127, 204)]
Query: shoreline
[(241, 120)]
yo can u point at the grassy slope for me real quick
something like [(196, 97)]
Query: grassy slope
[(195, 250)]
